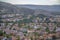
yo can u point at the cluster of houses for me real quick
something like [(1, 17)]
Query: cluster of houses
[(40, 28)]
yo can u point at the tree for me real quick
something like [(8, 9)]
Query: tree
[(27, 20), (47, 29), (1, 20), (19, 23), (6, 24), (38, 28), (31, 38), (41, 15), (54, 30), (8, 36), (18, 38), (1, 33)]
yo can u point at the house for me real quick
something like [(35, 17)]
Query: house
[(58, 29), (13, 38), (51, 28), (30, 31), (51, 24), (57, 18), (7, 31), (1, 37), (51, 19), (5, 38), (20, 34)]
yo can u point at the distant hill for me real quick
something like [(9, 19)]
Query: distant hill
[(30, 9), (40, 11), (8, 8), (51, 8), (25, 11), (55, 13)]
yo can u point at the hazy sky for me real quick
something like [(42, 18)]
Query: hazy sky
[(36, 2)]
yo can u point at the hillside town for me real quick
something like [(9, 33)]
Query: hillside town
[(29, 27)]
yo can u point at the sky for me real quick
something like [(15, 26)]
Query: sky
[(35, 2)]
